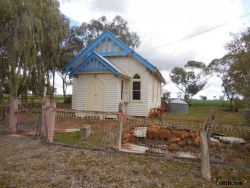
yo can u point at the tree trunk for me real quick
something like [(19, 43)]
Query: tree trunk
[(48, 83), (1, 96), (13, 114), (22, 98), (231, 105), (64, 90), (53, 87), (26, 98)]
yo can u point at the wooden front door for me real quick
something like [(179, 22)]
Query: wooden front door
[(95, 95)]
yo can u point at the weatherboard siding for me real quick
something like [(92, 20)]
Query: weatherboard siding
[(74, 93), (154, 92), (131, 67), (111, 83)]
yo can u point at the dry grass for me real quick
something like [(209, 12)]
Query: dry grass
[(26, 162)]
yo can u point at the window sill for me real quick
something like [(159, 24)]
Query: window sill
[(136, 101)]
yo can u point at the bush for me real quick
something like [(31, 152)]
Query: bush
[(247, 116), (203, 97), (68, 99)]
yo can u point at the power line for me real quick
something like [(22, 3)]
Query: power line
[(199, 33)]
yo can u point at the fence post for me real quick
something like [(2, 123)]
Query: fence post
[(205, 165), (119, 132), (45, 106), (51, 122), (208, 125)]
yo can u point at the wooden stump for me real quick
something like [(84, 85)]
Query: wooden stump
[(205, 165), (45, 107), (85, 131), (51, 114), (118, 139)]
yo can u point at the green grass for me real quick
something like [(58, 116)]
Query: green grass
[(200, 114), (73, 138), (102, 135)]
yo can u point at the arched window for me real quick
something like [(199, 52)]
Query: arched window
[(136, 87), (136, 76)]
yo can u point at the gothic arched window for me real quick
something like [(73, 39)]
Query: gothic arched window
[(136, 90)]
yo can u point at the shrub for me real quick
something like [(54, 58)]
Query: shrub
[(68, 99), (247, 116), (203, 97)]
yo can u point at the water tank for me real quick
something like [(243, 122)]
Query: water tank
[(178, 106)]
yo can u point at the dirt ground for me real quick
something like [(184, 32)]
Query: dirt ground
[(28, 162)]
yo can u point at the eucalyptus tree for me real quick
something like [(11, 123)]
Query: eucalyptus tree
[(118, 26), (31, 35), (239, 49), (222, 68), (55, 30), (234, 69), (189, 79), (17, 37)]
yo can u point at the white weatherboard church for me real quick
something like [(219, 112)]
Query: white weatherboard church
[(108, 74)]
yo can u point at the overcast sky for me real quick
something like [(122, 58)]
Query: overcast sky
[(160, 23)]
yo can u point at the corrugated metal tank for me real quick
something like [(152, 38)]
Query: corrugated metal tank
[(178, 106)]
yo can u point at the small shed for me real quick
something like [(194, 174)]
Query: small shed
[(178, 106)]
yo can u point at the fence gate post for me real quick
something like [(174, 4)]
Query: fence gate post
[(119, 132), (51, 122), (205, 165), (45, 106)]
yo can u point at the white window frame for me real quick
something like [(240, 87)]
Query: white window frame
[(136, 80)]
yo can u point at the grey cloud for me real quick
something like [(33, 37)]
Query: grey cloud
[(110, 5), (167, 61)]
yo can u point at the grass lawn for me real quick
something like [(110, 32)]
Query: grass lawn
[(94, 140), (200, 114), (102, 133)]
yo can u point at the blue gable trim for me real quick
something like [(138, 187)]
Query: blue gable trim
[(84, 52), (100, 64), (76, 59), (102, 40)]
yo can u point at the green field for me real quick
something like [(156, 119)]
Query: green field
[(200, 110), (197, 102), (200, 113)]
